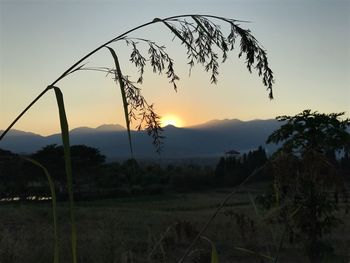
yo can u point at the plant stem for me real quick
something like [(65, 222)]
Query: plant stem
[(125, 102), (23, 112), (68, 166), (71, 68)]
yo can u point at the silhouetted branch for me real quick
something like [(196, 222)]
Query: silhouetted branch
[(203, 39)]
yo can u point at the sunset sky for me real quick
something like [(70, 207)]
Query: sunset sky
[(308, 45)]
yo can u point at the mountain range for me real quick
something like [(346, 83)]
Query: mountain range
[(211, 139)]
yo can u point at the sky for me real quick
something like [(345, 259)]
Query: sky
[(307, 42)]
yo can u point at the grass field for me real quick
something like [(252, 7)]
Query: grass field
[(154, 228)]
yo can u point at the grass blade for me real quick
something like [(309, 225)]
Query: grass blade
[(54, 206), (214, 252), (68, 166), (125, 102), (159, 242)]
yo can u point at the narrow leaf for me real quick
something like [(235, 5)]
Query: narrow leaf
[(179, 36), (199, 23), (68, 166), (54, 206), (214, 253), (125, 102)]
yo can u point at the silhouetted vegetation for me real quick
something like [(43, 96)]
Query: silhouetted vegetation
[(93, 178), (306, 201), (307, 173), (92, 174), (232, 170), (308, 179), (203, 39)]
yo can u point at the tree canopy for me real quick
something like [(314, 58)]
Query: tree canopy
[(83, 157), (309, 130), (308, 178)]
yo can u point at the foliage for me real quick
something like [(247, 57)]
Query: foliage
[(203, 40), (345, 166), (12, 177), (92, 174), (84, 160), (307, 180), (312, 131), (233, 170)]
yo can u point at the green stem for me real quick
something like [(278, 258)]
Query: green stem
[(125, 102), (54, 205), (68, 165), (23, 112), (76, 64)]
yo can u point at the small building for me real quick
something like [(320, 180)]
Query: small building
[(232, 153)]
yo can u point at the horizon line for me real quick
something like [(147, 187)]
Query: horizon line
[(116, 124)]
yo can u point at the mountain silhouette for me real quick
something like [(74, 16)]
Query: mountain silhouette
[(211, 139)]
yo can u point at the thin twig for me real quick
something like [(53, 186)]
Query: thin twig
[(159, 241), (77, 65), (23, 112)]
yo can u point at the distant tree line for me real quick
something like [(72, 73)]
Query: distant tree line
[(306, 178), (21, 178), (93, 177), (234, 169)]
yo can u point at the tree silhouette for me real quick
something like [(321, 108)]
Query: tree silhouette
[(307, 178), (11, 179), (84, 160), (52, 157), (233, 170), (312, 131)]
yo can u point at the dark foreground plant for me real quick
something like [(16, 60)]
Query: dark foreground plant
[(205, 44), (308, 184)]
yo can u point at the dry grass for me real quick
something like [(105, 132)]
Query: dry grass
[(109, 230)]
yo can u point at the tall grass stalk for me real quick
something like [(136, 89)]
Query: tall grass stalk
[(201, 38), (214, 252), (119, 77), (68, 166), (249, 45), (159, 242), (54, 206)]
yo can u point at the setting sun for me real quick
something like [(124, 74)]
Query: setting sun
[(171, 120)]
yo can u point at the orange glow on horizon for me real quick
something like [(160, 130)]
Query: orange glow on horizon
[(171, 119)]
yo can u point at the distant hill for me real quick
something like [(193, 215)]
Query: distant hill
[(215, 124), (211, 139), (102, 128), (22, 142)]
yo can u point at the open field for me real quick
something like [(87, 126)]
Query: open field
[(118, 230)]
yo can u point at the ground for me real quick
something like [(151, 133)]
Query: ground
[(154, 228)]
